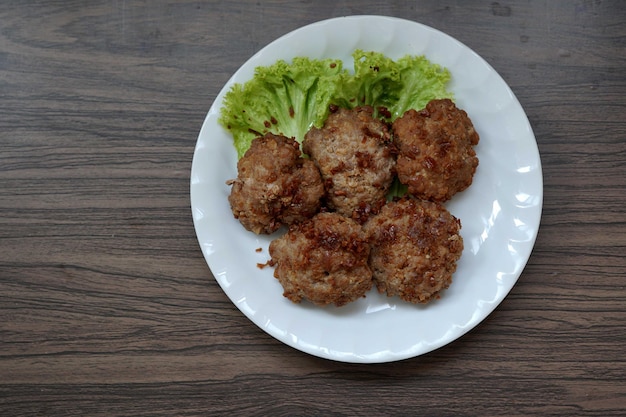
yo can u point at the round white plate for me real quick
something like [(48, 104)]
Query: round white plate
[(500, 211)]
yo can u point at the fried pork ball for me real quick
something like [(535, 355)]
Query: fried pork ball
[(274, 185), (323, 260), (415, 245), (353, 151), (436, 158)]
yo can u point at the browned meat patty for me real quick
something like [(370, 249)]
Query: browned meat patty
[(415, 246), (324, 260), (274, 185), (436, 158), (354, 154)]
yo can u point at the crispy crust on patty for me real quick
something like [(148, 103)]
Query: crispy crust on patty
[(415, 246), (436, 158), (274, 185), (354, 153), (324, 260)]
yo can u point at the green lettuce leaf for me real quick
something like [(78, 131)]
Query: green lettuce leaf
[(422, 81), (393, 87), (284, 98), (376, 82)]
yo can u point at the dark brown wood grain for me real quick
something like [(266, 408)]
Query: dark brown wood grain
[(107, 306)]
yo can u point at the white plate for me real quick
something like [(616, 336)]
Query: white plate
[(500, 212)]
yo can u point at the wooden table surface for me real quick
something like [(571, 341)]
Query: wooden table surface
[(107, 306)]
